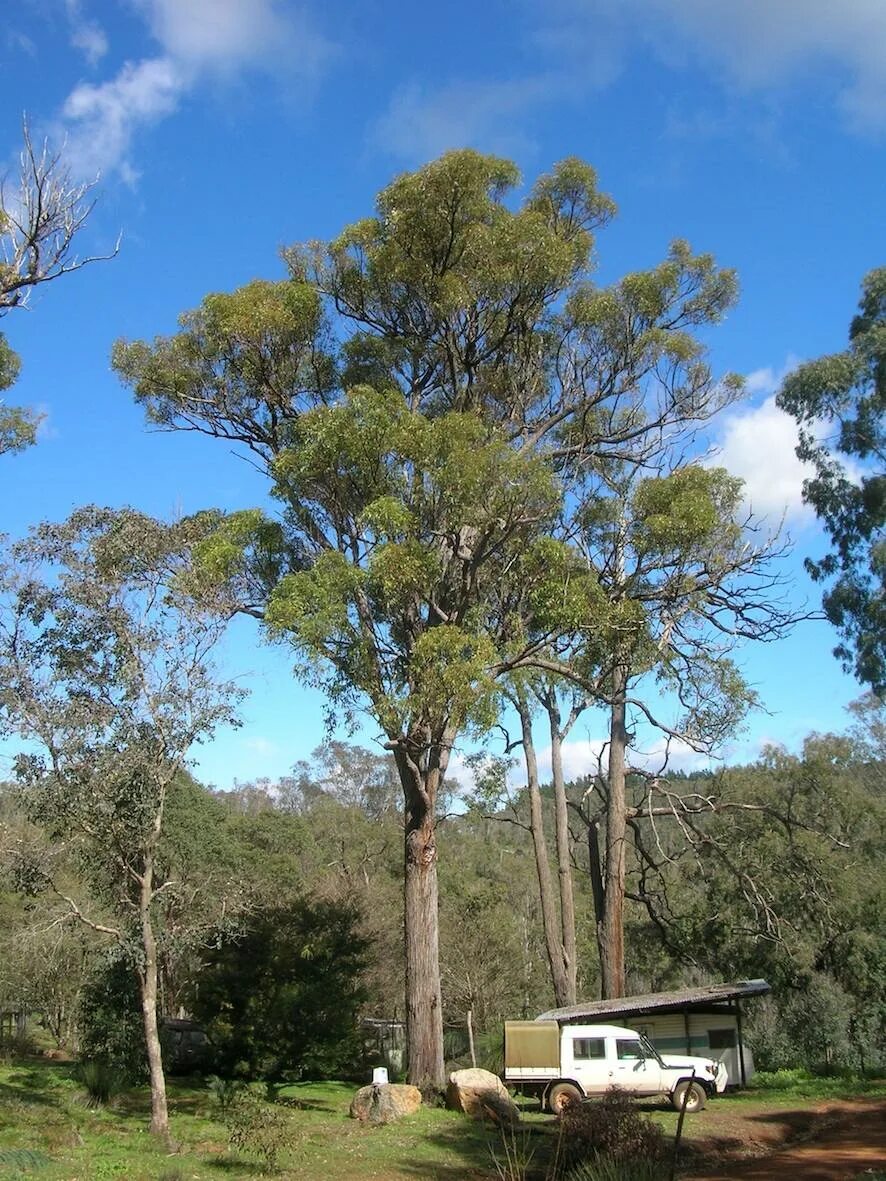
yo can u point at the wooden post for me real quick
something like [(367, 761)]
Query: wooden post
[(680, 1118)]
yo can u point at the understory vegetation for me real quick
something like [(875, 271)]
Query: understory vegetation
[(51, 1130), (280, 928)]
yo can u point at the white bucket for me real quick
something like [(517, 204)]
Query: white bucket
[(380, 1076)]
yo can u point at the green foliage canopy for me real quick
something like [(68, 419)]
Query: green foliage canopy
[(839, 402), (279, 998)]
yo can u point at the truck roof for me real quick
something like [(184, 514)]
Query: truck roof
[(584, 1029)]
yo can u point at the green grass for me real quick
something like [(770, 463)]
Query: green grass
[(49, 1133), (43, 1111)]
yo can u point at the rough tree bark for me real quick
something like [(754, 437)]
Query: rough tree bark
[(421, 775)]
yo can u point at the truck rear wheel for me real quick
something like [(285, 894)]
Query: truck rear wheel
[(695, 1099), (563, 1095)]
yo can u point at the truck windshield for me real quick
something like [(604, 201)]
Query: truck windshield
[(649, 1050)]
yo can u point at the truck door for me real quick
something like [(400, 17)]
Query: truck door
[(590, 1066), (634, 1070)]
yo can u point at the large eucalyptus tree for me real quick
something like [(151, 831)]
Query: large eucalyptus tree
[(424, 394)]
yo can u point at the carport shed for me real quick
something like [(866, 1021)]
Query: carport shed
[(705, 1020)]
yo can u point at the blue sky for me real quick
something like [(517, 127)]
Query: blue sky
[(224, 129)]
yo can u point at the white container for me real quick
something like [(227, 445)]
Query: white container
[(380, 1076)]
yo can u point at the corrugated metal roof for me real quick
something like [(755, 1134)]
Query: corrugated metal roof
[(683, 998)]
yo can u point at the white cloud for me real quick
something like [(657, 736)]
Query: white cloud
[(760, 43), (198, 38), (86, 35), (103, 118), (585, 756), (420, 124), (759, 444), (226, 35)]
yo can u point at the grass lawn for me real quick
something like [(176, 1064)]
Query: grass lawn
[(48, 1132)]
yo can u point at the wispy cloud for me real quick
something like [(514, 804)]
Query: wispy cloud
[(760, 44), (86, 35), (421, 122), (228, 35), (259, 745), (104, 118), (752, 47), (198, 39)]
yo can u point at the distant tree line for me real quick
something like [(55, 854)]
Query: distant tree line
[(307, 940)]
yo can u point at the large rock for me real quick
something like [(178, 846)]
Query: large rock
[(481, 1094), (383, 1104)]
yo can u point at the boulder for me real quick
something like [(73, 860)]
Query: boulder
[(383, 1104), (481, 1094)]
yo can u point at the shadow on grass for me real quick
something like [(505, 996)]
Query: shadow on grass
[(235, 1166), (478, 1146), (295, 1104), (27, 1093)]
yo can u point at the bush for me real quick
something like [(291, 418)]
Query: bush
[(16, 1045), (256, 1126), (110, 1018), (102, 1081), (223, 1091), (280, 1000), (609, 1129)]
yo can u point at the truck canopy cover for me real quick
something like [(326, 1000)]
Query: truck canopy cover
[(532, 1044)]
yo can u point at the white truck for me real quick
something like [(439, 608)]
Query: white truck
[(566, 1064)]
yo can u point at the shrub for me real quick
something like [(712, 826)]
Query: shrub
[(101, 1080), (611, 1128), (223, 1091), (256, 1126), (280, 1000), (16, 1045), (512, 1158), (110, 1018)]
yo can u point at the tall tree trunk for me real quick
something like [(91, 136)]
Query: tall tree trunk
[(610, 929), (550, 919), (564, 862), (421, 776), (148, 976)]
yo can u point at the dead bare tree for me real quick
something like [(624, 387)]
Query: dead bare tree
[(42, 213)]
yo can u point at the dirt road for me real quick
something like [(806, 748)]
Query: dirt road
[(832, 1141)]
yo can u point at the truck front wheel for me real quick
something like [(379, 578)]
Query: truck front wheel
[(695, 1099), (563, 1095)]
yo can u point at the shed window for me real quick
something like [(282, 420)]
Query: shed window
[(721, 1039), (587, 1048)]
